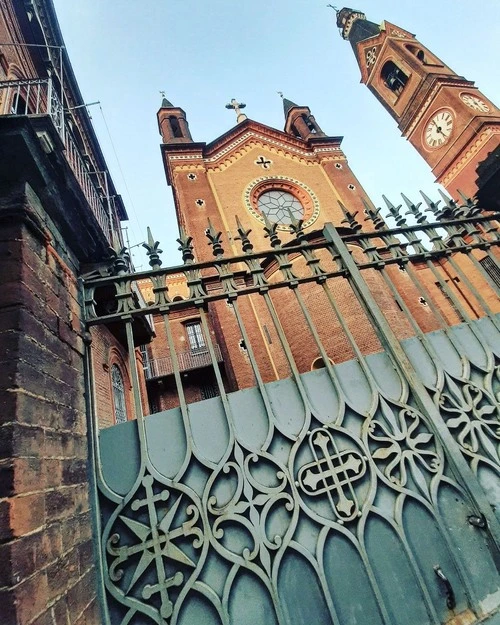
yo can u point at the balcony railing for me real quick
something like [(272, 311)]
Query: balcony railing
[(159, 367), (37, 96)]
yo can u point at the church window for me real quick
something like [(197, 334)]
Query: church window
[(394, 77), (280, 206), (195, 337), (119, 404), (175, 126)]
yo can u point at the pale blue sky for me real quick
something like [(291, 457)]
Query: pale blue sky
[(205, 52)]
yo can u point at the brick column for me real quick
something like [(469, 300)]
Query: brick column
[(46, 552)]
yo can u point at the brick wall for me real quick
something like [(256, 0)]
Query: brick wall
[(46, 550)]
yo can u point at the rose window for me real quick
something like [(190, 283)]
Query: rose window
[(280, 206)]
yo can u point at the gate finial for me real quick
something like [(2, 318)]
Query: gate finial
[(153, 250)]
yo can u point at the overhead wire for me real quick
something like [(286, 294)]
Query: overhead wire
[(140, 237)]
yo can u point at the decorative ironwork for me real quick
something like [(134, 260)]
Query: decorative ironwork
[(383, 461)]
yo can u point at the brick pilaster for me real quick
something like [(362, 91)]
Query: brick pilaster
[(46, 551)]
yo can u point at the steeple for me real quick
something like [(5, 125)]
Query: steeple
[(299, 121), (444, 116), (172, 123), (354, 27)]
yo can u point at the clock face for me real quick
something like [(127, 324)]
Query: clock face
[(475, 103), (438, 129)]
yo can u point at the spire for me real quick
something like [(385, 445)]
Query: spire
[(288, 105), (172, 123), (355, 27), (299, 121), (165, 104)]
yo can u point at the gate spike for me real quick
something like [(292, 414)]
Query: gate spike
[(296, 226), (153, 250), (468, 201), (246, 244), (449, 202), (432, 207), (350, 218), (373, 215), (413, 208), (185, 246), (270, 230), (214, 238), (119, 256), (394, 211)]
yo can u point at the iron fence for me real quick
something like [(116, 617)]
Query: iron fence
[(385, 462)]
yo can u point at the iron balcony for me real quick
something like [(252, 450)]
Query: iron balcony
[(187, 361)]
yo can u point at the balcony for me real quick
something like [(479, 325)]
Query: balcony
[(160, 367), (37, 97)]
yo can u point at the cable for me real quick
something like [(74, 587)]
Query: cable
[(121, 172)]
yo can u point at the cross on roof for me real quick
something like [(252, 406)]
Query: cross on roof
[(237, 106)]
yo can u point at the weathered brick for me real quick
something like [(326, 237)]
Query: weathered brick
[(82, 593), (7, 602), (58, 573), (86, 556), (21, 475), (74, 471), (17, 439), (27, 513), (31, 598), (66, 502), (23, 556)]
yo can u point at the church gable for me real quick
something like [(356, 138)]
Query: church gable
[(260, 146)]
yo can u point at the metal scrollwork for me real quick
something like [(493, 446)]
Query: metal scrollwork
[(332, 474), (153, 547), (471, 414), (243, 503), (402, 446)]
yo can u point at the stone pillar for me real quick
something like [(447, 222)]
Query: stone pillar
[(46, 550)]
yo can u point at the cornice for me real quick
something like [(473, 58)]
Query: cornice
[(467, 156)]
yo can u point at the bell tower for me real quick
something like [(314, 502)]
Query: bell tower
[(444, 116)]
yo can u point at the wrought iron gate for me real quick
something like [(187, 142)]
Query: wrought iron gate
[(362, 492)]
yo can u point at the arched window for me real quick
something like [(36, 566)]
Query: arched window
[(394, 77), (118, 395), (418, 52), (176, 128)]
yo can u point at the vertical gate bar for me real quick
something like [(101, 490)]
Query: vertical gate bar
[(427, 296), (390, 342), (429, 348), (94, 462), (215, 365), (175, 367), (354, 346), (136, 393), (288, 352), (310, 324), (475, 292), (483, 272), (38, 90), (253, 361)]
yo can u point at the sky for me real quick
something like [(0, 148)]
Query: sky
[(202, 53)]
